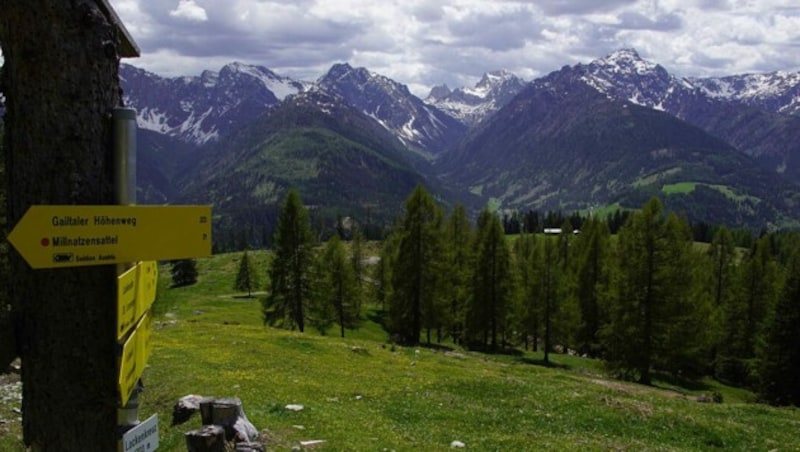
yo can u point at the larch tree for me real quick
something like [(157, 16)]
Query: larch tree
[(247, 276), (686, 342), (357, 263), (548, 273), (757, 289), (415, 297), (529, 310), (566, 317), (357, 253), (720, 274), (779, 358), (493, 283), (458, 269), (652, 282), (338, 289), (291, 288), (592, 258), (382, 273)]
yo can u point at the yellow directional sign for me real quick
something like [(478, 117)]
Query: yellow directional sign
[(135, 353), (136, 291), (127, 288), (73, 236), (148, 281)]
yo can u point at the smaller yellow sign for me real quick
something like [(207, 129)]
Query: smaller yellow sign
[(127, 288), (145, 346), (135, 352), (148, 281), (136, 292)]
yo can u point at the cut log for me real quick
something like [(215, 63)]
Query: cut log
[(228, 413), (210, 438)]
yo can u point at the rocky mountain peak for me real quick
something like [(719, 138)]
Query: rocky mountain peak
[(439, 92), (471, 105)]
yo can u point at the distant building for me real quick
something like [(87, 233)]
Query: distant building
[(557, 231)]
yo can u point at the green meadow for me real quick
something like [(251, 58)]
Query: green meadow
[(363, 393)]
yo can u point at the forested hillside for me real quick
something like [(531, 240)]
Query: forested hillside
[(648, 300)]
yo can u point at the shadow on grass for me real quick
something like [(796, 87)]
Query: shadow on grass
[(542, 363), (377, 316), (496, 350), (436, 347), (669, 381)]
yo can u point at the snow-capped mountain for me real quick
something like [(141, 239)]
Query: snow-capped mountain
[(626, 76), (416, 124), (472, 105), (778, 92), (200, 109), (749, 112)]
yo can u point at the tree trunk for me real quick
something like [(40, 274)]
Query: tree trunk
[(61, 83)]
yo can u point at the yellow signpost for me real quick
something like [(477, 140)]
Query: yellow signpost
[(148, 280), (74, 236), (136, 291), (135, 352), (127, 288)]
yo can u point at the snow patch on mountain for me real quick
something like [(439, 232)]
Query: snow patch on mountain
[(623, 74), (778, 91), (470, 105), (201, 109), (392, 105)]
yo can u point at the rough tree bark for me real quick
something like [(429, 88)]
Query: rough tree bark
[(61, 83)]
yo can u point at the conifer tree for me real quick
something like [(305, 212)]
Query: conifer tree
[(458, 271), (779, 359), (247, 276), (338, 291), (383, 270), (291, 270), (650, 286), (184, 272), (493, 283), (686, 343), (357, 253), (721, 279), (744, 317), (416, 294), (566, 316), (529, 318), (548, 273), (592, 278), (357, 263), (723, 257)]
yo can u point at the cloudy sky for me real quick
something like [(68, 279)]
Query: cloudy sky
[(426, 42)]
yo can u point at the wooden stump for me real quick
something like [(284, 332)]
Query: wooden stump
[(210, 438), (224, 412)]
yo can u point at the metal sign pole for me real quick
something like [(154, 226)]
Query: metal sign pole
[(124, 150)]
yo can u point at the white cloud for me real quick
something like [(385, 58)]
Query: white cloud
[(424, 42), (189, 10)]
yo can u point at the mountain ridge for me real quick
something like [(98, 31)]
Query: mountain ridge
[(734, 138)]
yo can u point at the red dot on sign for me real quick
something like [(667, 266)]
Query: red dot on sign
[(45, 241)]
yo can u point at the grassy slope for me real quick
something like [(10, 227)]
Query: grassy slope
[(361, 394)]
